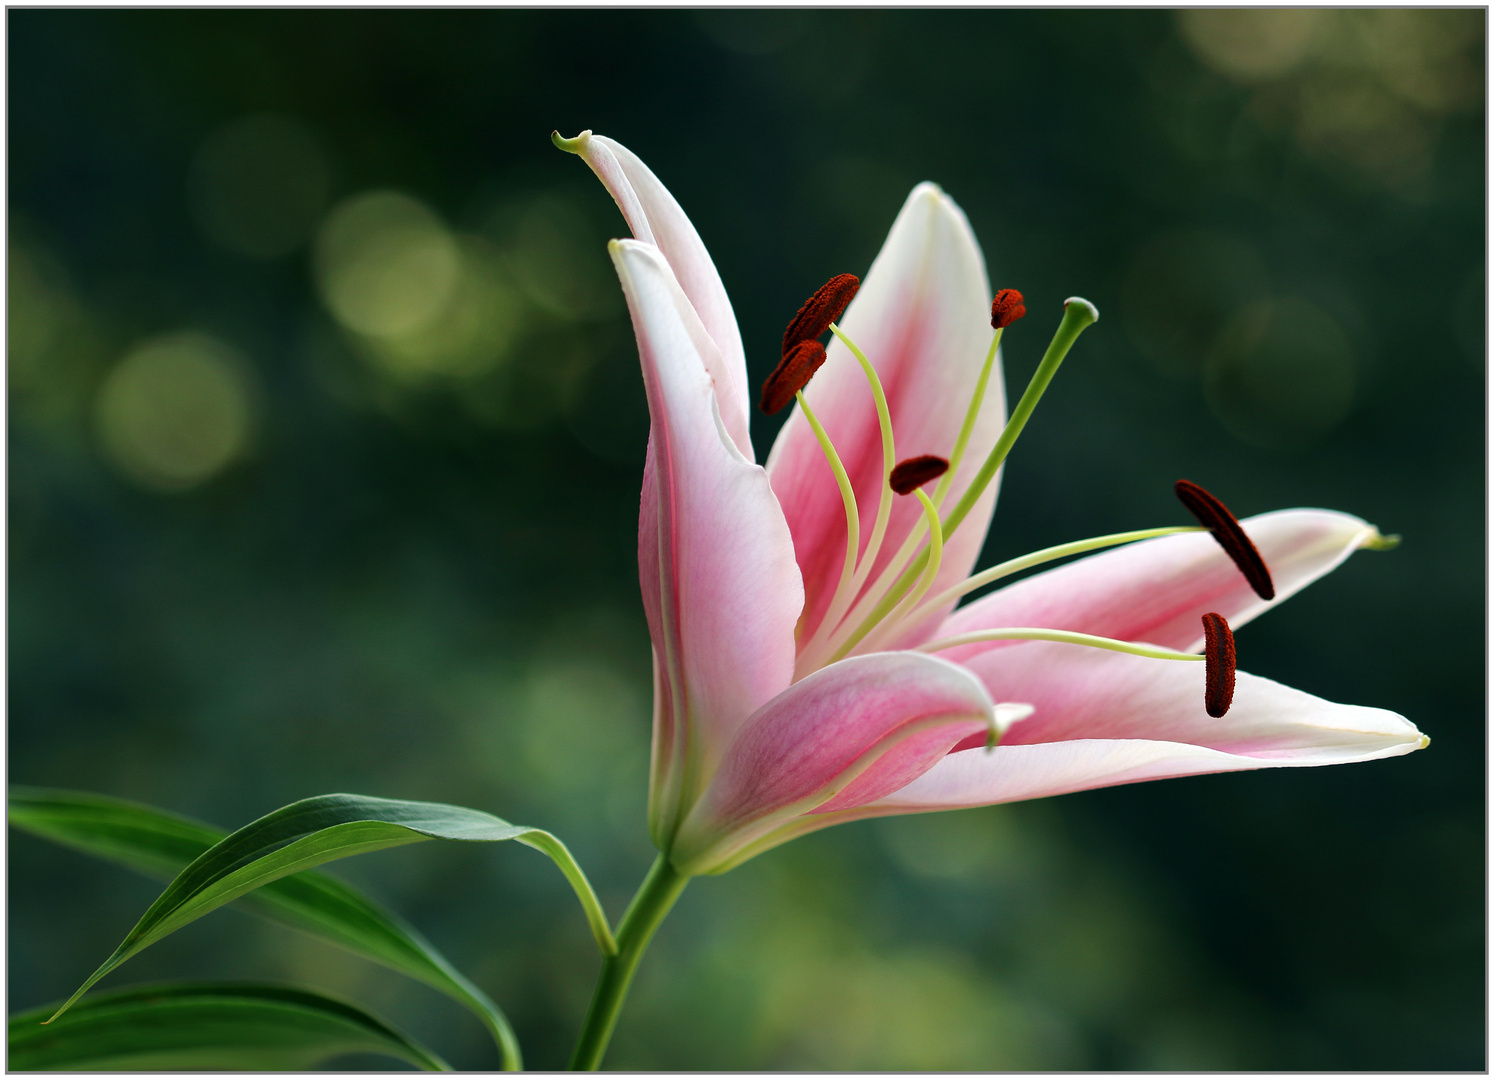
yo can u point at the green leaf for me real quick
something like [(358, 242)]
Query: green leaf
[(205, 1027), (314, 831), (161, 844)]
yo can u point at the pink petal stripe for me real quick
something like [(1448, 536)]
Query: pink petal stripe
[(1108, 718), (923, 319), (1013, 773), (720, 586), (656, 218), (1084, 693), (1158, 590), (866, 726)]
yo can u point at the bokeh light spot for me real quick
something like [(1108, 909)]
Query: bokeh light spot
[(1250, 43), (175, 411), (579, 720), (258, 185), (33, 309), (1282, 375), (1180, 291), (556, 259), (386, 264), (474, 329), (1362, 87)]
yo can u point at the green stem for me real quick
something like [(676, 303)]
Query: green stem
[(655, 897)]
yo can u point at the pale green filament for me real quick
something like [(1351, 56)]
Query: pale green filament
[(1037, 558), (854, 575), (847, 494), (914, 538), (889, 457), (958, 453), (936, 547), (1029, 633), (931, 571), (1077, 314)]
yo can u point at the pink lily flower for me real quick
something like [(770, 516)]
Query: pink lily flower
[(810, 664)]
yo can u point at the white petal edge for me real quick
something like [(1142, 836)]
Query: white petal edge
[(726, 594), (922, 317), (656, 218)]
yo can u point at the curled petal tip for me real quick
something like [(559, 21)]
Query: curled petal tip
[(1424, 742), (1084, 308), (1377, 542), (1003, 715), (570, 146), (1010, 712)]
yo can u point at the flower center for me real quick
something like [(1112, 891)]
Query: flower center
[(864, 617)]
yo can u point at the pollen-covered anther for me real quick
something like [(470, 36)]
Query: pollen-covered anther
[(1215, 516), (908, 476), (1006, 309), (1219, 664), (820, 310), (791, 375)]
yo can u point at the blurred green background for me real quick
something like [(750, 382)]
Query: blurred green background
[(325, 441)]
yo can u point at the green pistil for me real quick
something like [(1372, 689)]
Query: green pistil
[(1078, 314)]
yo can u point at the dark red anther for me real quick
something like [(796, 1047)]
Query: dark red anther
[(820, 310), (791, 375), (908, 476), (1006, 309), (1215, 516), (1219, 664)]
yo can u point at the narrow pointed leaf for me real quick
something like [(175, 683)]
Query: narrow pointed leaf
[(191, 1027), (318, 830), (160, 844)]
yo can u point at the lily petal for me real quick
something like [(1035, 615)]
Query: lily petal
[(922, 318), (1158, 590), (1107, 718), (847, 734), (656, 218), (716, 565)]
